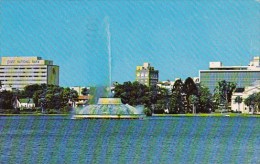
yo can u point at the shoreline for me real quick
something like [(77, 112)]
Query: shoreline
[(34, 114), (207, 115), (154, 115)]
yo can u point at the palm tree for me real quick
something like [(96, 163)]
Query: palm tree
[(258, 101), (250, 101), (177, 98), (238, 100), (224, 91), (190, 89), (194, 100)]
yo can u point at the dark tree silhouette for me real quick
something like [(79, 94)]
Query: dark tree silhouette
[(189, 88)]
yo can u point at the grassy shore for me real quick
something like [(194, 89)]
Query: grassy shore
[(34, 114), (208, 115), (154, 115)]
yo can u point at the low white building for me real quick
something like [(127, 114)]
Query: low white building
[(249, 90), (26, 103), (166, 85)]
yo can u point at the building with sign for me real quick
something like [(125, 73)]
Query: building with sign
[(18, 72), (241, 75), (147, 75)]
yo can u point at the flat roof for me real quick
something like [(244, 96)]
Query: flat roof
[(216, 70), (231, 67)]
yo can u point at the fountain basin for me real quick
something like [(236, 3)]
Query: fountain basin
[(109, 108), (106, 101), (92, 116)]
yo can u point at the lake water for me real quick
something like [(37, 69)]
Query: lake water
[(58, 139)]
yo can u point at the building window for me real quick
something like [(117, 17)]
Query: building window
[(53, 71)]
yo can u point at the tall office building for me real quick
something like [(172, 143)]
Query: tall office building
[(241, 75), (17, 72), (147, 75)]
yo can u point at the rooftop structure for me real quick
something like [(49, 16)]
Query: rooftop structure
[(241, 75), (18, 72), (166, 85), (147, 75)]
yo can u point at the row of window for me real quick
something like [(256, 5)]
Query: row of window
[(21, 72), (4, 68), (22, 82), (32, 82), (145, 75), (211, 84), (230, 74), (142, 81), (24, 76)]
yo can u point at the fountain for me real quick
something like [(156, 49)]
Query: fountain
[(109, 108)]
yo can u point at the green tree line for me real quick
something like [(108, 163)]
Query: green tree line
[(47, 98), (183, 98), (253, 102)]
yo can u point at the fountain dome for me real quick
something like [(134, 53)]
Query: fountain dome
[(109, 108), (106, 101)]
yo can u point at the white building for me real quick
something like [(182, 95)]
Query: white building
[(166, 85), (241, 75), (18, 72), (249, 90), (147, 75), (196, 80), (26, 103)]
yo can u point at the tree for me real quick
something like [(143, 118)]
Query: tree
[(42, 99), (190, 89), (29, 90), (85, 91), (177, 98), (6, 98), (52, 98), (36, 96), (173, 105), (251, 102), (205, 103), (258, 101), (238, 100), (133, 93), (147, 111), (223, 92), (73, 95), (162, 100), (194, 99)]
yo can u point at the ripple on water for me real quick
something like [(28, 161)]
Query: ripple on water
[(153, 140)]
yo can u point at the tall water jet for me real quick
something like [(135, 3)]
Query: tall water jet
[(109, 107), (109, 53)]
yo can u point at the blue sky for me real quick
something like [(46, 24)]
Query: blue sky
[(177, 37)]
